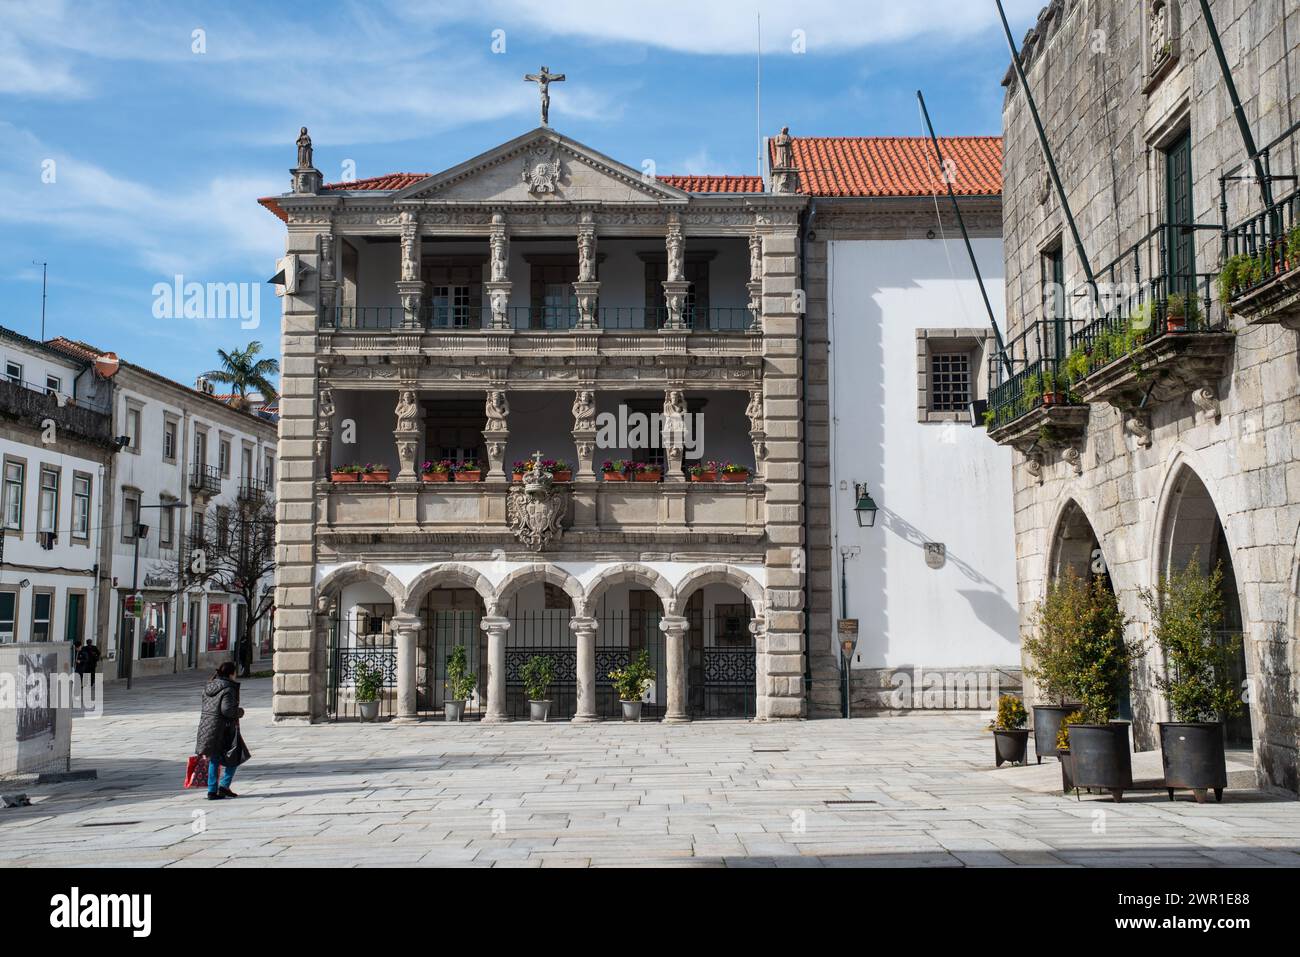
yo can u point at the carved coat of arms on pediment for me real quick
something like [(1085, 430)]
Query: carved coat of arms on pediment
[(535, 511), (542, 168)]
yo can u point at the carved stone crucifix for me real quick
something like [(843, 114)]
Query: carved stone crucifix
[(544, 81)]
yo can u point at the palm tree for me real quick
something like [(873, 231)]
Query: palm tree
[(244, 373)]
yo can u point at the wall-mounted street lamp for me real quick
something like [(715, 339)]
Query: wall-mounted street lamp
[(865, 507), (977, 409)]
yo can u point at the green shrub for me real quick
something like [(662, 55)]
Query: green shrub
[(460, 683), (1063, 735), (631, 682), (1187, 614), (538, 674), (368, 682), (1012, 715)]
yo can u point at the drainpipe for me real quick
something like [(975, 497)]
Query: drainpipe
[(805, 227)]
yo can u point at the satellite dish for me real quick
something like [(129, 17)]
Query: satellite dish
[(106, 365)]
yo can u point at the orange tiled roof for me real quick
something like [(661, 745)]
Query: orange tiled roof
[(714, 184), (896, 165)]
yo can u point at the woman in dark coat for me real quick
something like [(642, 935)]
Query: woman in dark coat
[(218, 728)]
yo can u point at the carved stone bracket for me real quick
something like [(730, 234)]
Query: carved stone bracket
[(1137, 423), (675, 298), (1034, 466), (588, 295), (1072, 457), (495, 440), (1206, 399)]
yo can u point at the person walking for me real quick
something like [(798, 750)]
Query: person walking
[(219, 729), (87, 662)]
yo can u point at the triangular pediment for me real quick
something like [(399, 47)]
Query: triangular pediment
[(541, 166)]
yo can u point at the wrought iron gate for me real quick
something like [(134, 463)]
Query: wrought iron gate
[(542, 634), (347, 649), (443, 631), (721, 664)]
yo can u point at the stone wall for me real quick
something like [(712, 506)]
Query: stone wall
[(1108, 110)]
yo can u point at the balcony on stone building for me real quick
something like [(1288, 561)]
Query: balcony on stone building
[(1161, 335), (1260, 277), (33, 404)]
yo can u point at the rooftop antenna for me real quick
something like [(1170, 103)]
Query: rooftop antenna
[(44, 272)]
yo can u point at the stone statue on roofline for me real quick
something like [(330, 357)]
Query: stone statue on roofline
[(304, 149)]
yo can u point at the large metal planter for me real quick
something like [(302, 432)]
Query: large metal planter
[(1101, 758), (453, 710), (1192, 753), (1067, 765), (1010, 746), (369, 710), (539, 710), (1047, 722)]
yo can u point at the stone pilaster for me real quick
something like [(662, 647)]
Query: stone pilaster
[(755, 285), (674, 628), (408, 631), (497, 434), (496, 629), (498, 286), (584, 634), (587, 288), (324, 447), (675, 286), (674, 434), (410, 287)]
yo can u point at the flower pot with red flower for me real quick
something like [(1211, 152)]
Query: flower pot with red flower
[(435, 471), (346, 473), (703, 472), (518, 469), (375, 472), (469, 472), (732, 472), (648, 472), (561, 470)]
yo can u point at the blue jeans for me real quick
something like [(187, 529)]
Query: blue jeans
[(226, 776)]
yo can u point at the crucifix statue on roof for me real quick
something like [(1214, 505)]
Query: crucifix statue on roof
[(544, 81)]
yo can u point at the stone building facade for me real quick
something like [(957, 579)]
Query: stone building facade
[(540, 302), (1169, 423)]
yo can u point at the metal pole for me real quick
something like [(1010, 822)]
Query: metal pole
[(135, 584), (844, 613), (970, 251), (1047, 153), (1265, 189), (45, 266)]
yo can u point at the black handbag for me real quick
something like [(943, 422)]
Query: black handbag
[(237, 753)]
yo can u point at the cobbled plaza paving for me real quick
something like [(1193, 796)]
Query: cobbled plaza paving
[(922, 788)]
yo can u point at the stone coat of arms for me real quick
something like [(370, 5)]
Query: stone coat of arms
[(542, 168), (536, 508)]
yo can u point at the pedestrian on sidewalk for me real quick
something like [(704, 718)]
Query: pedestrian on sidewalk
[(218, 739), (87, 661)]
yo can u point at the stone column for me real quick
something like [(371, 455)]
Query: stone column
[(408, 633), (496, 628), (584, 433), (674, 628), (498, 286), (325, 259), (675, 286), (584, 631), (407, 434), (755, 285), (410, 287), (757, 434), (587, 288), (324, 449), (497, 433), (674, 434)]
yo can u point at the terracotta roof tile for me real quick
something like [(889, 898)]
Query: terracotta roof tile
[(388, 181), (896, 165), (714, 184)]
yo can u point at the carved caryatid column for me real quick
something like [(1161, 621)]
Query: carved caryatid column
[(410, 287), (407, 434), (324, 433), (584, 635), (587, 288), (675, 286), (674, 434), (328, 284), (755, 285), (498, 286), (496, 628), (584, 432), (757, 432), (674, 628), (496, 433)]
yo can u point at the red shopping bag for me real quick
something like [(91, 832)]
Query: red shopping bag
[(196, 772)]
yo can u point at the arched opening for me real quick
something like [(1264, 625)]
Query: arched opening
[(628, 609), (1192, 532), (360, 607), (450, 617), (721, 660), (1076, 548), (540, 613)]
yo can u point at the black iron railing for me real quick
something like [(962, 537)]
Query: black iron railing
[(1260, 248), (205, 479), (530, 318), (251, 490)]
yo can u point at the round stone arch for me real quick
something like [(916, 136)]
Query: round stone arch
[(1072, 536), (636, 573), (697, 578), (449, 574), (332, 585), (551, 575)]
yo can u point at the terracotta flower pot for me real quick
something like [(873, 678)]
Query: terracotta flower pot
[(565, 475), (649, 476), (1175, 323), (469, 476), (614, 476), (345, 477), (734, 476), (374, 476), (435, 477), (704, 476), (1051, 398), (516, 476)]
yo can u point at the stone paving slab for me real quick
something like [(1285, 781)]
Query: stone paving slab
[(710, 794)]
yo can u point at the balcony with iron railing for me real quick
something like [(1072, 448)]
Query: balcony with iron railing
[(1158, 335), (253, 491), (471, 318), (35, 405), (205, 479)]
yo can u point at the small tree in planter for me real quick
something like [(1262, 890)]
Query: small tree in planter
[(368, 684), (1057, 624), (1010, 736), (538, 673), (460, 683), (1187, 615), (1099, 660), (631, 683), (1063, 749)]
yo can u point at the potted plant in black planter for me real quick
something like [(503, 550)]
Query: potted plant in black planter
[(631, 683), (1102, 657), (460, 684), (1057, 621), (368, 685), (1186, 616), (1010, 736), (1063, 750), (538, 673)]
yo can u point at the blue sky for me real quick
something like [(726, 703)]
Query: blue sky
[(132, 149)]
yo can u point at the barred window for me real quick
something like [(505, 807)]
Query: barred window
[(950, 385)]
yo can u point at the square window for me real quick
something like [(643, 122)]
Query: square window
[(950, 381)]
